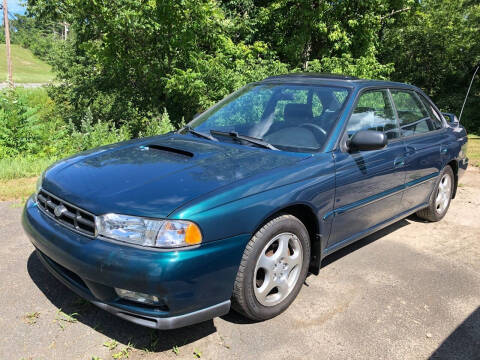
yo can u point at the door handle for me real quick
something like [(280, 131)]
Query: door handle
[(399, 162), (443, 149)]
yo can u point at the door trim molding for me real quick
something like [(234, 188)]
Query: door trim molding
[(380, 196)]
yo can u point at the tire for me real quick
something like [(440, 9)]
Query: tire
[(441, 197), (273, 268)]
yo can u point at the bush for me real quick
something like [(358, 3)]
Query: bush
[(33, 135), (28, 123), (92, 134), (156, 126)]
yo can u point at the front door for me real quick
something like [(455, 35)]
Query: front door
[(369, 184)]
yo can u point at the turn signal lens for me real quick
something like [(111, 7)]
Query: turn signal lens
[(193, 235), (176, 233)]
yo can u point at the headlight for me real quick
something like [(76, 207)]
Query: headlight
[(148, 232)]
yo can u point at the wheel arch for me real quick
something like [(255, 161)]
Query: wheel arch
[(307, 216)]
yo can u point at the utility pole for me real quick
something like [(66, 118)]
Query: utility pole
[(7, 42)]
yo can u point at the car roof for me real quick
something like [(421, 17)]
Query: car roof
[(332, 79)]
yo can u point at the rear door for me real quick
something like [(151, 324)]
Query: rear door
[(425, 143), (369, 184)]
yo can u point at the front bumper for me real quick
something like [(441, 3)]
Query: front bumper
[(194, 285)]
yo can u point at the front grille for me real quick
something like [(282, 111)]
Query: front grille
[(66, 214)]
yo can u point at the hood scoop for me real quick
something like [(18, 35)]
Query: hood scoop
[(167, 149)]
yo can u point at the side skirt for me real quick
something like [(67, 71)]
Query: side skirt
[(331, 249)]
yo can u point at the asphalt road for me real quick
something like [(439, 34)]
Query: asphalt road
[(411, 291), (4, 85)]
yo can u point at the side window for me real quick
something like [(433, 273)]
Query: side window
[(317, 106), (373, 112), (413, 116), (435, 119)]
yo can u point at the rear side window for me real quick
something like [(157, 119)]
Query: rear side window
[(434, 117), (373, 112), (413, 116)]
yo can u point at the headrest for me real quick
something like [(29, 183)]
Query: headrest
[(298, 113)]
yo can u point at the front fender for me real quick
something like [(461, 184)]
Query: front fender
[(245, 214)]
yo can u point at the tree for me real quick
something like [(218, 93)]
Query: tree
[(437, 48), (335, 36), (129, 59)]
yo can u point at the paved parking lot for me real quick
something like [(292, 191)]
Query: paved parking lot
[(411, 291)]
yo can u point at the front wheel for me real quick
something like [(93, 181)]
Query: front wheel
[(440, 198), (273, 268)]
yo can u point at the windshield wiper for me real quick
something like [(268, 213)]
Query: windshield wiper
[(252, 140), (199, 133)]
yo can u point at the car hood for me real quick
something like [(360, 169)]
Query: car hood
[(152, 177)]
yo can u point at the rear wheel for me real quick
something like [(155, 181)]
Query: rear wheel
[(273, 268), (440, 198)]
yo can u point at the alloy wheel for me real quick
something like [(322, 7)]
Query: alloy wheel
[(444, 193), (278, 269)]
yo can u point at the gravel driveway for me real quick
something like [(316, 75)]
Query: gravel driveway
[(407, 292)]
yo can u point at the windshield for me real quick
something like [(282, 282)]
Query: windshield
[(289, 117)]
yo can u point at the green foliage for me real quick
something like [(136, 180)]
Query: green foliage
[(93, 134), (437, 47), (23, 130), (132, 68), (33, 134), (43, 39), (157, 126), (23, 166)]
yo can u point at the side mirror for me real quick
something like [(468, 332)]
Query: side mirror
[(451, 119), (365, 140)]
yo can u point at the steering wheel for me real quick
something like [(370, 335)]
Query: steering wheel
[(318, 131)]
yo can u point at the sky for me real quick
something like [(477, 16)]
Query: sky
[(15, 7)]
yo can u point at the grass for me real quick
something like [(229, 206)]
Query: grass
[(473, 151), (15, 168), (17, 188), (18, 176), (25, 66)]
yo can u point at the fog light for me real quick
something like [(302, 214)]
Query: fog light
[(137, 296)]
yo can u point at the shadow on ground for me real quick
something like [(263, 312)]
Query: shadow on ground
[(464, 342), (367, 240), (115, 328), (144, 338)]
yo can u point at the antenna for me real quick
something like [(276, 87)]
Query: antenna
[(468, 91)]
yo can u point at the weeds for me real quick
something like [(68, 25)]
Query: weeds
[(31, 318), (176, 350), (124, 353), (61, 318), (111, 344)]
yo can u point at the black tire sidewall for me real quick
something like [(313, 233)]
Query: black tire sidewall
[(285, 224)]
